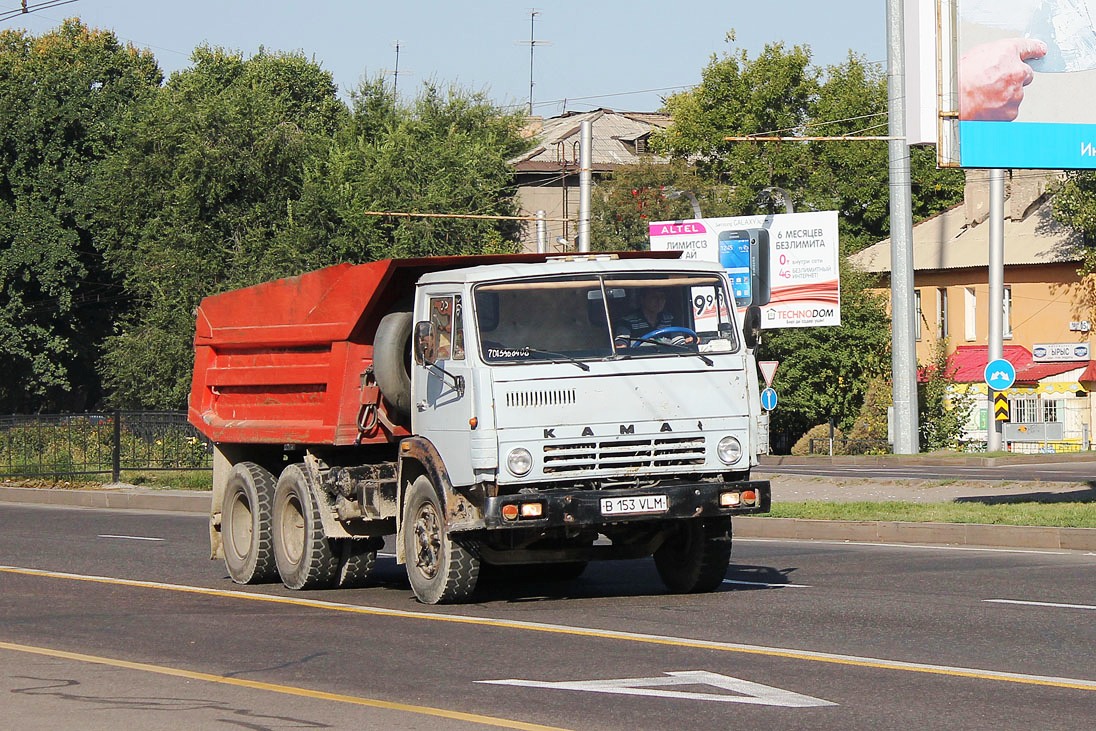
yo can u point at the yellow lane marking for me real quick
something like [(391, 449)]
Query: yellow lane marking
[(806, 655), (275, 688)]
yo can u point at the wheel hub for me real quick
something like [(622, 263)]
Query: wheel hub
[(428, 541)]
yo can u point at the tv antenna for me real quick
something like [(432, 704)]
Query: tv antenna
[(533, 43), (396, 71)]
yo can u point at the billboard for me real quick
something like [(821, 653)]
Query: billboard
[(795, 271), (1020, 82)]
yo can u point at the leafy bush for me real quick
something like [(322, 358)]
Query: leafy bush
[(821, 432)]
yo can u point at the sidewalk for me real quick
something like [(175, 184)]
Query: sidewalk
[(786, 488)]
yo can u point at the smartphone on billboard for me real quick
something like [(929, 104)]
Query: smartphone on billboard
[(734, 256), (744, 253)]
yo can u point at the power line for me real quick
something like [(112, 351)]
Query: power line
[(26, 8)]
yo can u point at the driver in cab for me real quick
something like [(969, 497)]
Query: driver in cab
[(650, 316)]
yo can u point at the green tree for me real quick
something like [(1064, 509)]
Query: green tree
[(943, 409), (61, 95), (853, 176), (244, 170), (198, 200), (737, 96), (625, 204), (444, 153), (1075, 206)]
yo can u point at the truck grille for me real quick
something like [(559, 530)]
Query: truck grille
[(541, 397), (631, 454)]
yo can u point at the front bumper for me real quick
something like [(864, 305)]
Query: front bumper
[(580, 508)]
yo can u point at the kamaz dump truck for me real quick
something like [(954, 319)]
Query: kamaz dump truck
[(485, 411)]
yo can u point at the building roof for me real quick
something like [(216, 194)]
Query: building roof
[(948, 242), (968, 365), (619, 138)]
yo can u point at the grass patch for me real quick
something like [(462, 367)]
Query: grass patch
[(1057, 515), (182, 480)]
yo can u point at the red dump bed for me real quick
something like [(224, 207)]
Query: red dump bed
[(283, 362)]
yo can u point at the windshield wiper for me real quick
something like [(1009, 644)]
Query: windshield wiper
[(561, 356), (680, 350)]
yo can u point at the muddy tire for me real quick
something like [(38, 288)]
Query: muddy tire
[(392, 361), (306, 559), (440, 570), (246, 534), (695, 557), (357, 559)]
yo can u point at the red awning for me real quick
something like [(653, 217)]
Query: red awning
[(968, 365)]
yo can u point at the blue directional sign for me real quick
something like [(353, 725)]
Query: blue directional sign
[(1000, 374), (768, 399)]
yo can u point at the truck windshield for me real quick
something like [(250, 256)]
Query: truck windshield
[(592, 317)]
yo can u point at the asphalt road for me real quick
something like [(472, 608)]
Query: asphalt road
[(115, 619)]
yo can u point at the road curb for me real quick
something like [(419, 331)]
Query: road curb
[(123, 498), (949, 534)]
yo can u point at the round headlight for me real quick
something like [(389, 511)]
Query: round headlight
[(729, 450), (519, 462)]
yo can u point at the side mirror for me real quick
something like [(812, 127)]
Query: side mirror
[(424, 343), (751, 326)]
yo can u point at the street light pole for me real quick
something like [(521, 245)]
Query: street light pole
[(903, 347)]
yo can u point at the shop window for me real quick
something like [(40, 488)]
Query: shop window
[(917, 315), (969, 311), (1006, 321), (942, 312)]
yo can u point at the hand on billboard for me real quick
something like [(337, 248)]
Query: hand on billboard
[(992, 78)]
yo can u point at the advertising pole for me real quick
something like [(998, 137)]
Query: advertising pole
[(903, 354), (996, 294)]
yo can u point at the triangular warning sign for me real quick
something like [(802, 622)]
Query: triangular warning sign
[(768, 370)]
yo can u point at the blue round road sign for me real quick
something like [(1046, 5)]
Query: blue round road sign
[(768, 399), (1000, 374)]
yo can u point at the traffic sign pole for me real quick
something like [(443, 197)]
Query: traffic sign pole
[(999, 375)]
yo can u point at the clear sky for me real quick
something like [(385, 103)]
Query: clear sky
[(620, 54)]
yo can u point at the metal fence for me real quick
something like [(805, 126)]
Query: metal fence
[(848, 446), (100, 443)]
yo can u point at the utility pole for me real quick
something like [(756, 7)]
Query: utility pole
[(903, 312)]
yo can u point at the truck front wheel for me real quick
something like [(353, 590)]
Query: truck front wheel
[(440, 570), (695, 557), (245, 524), (305, 556)]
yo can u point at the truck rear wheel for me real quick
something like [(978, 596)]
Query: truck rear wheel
[(246, 524), (392, 361), (305, 557), (695, 558), (357, 559), (440, 570)]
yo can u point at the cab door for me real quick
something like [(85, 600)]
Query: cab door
[(441, 385)]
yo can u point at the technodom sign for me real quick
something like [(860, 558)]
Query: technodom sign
[(1017, 78), (791, 269)]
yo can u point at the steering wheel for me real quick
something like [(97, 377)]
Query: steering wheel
[(680, 332)]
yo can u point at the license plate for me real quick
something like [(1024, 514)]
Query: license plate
[(634, 505)]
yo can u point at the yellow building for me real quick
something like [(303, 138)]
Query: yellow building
[(1048, 309)]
